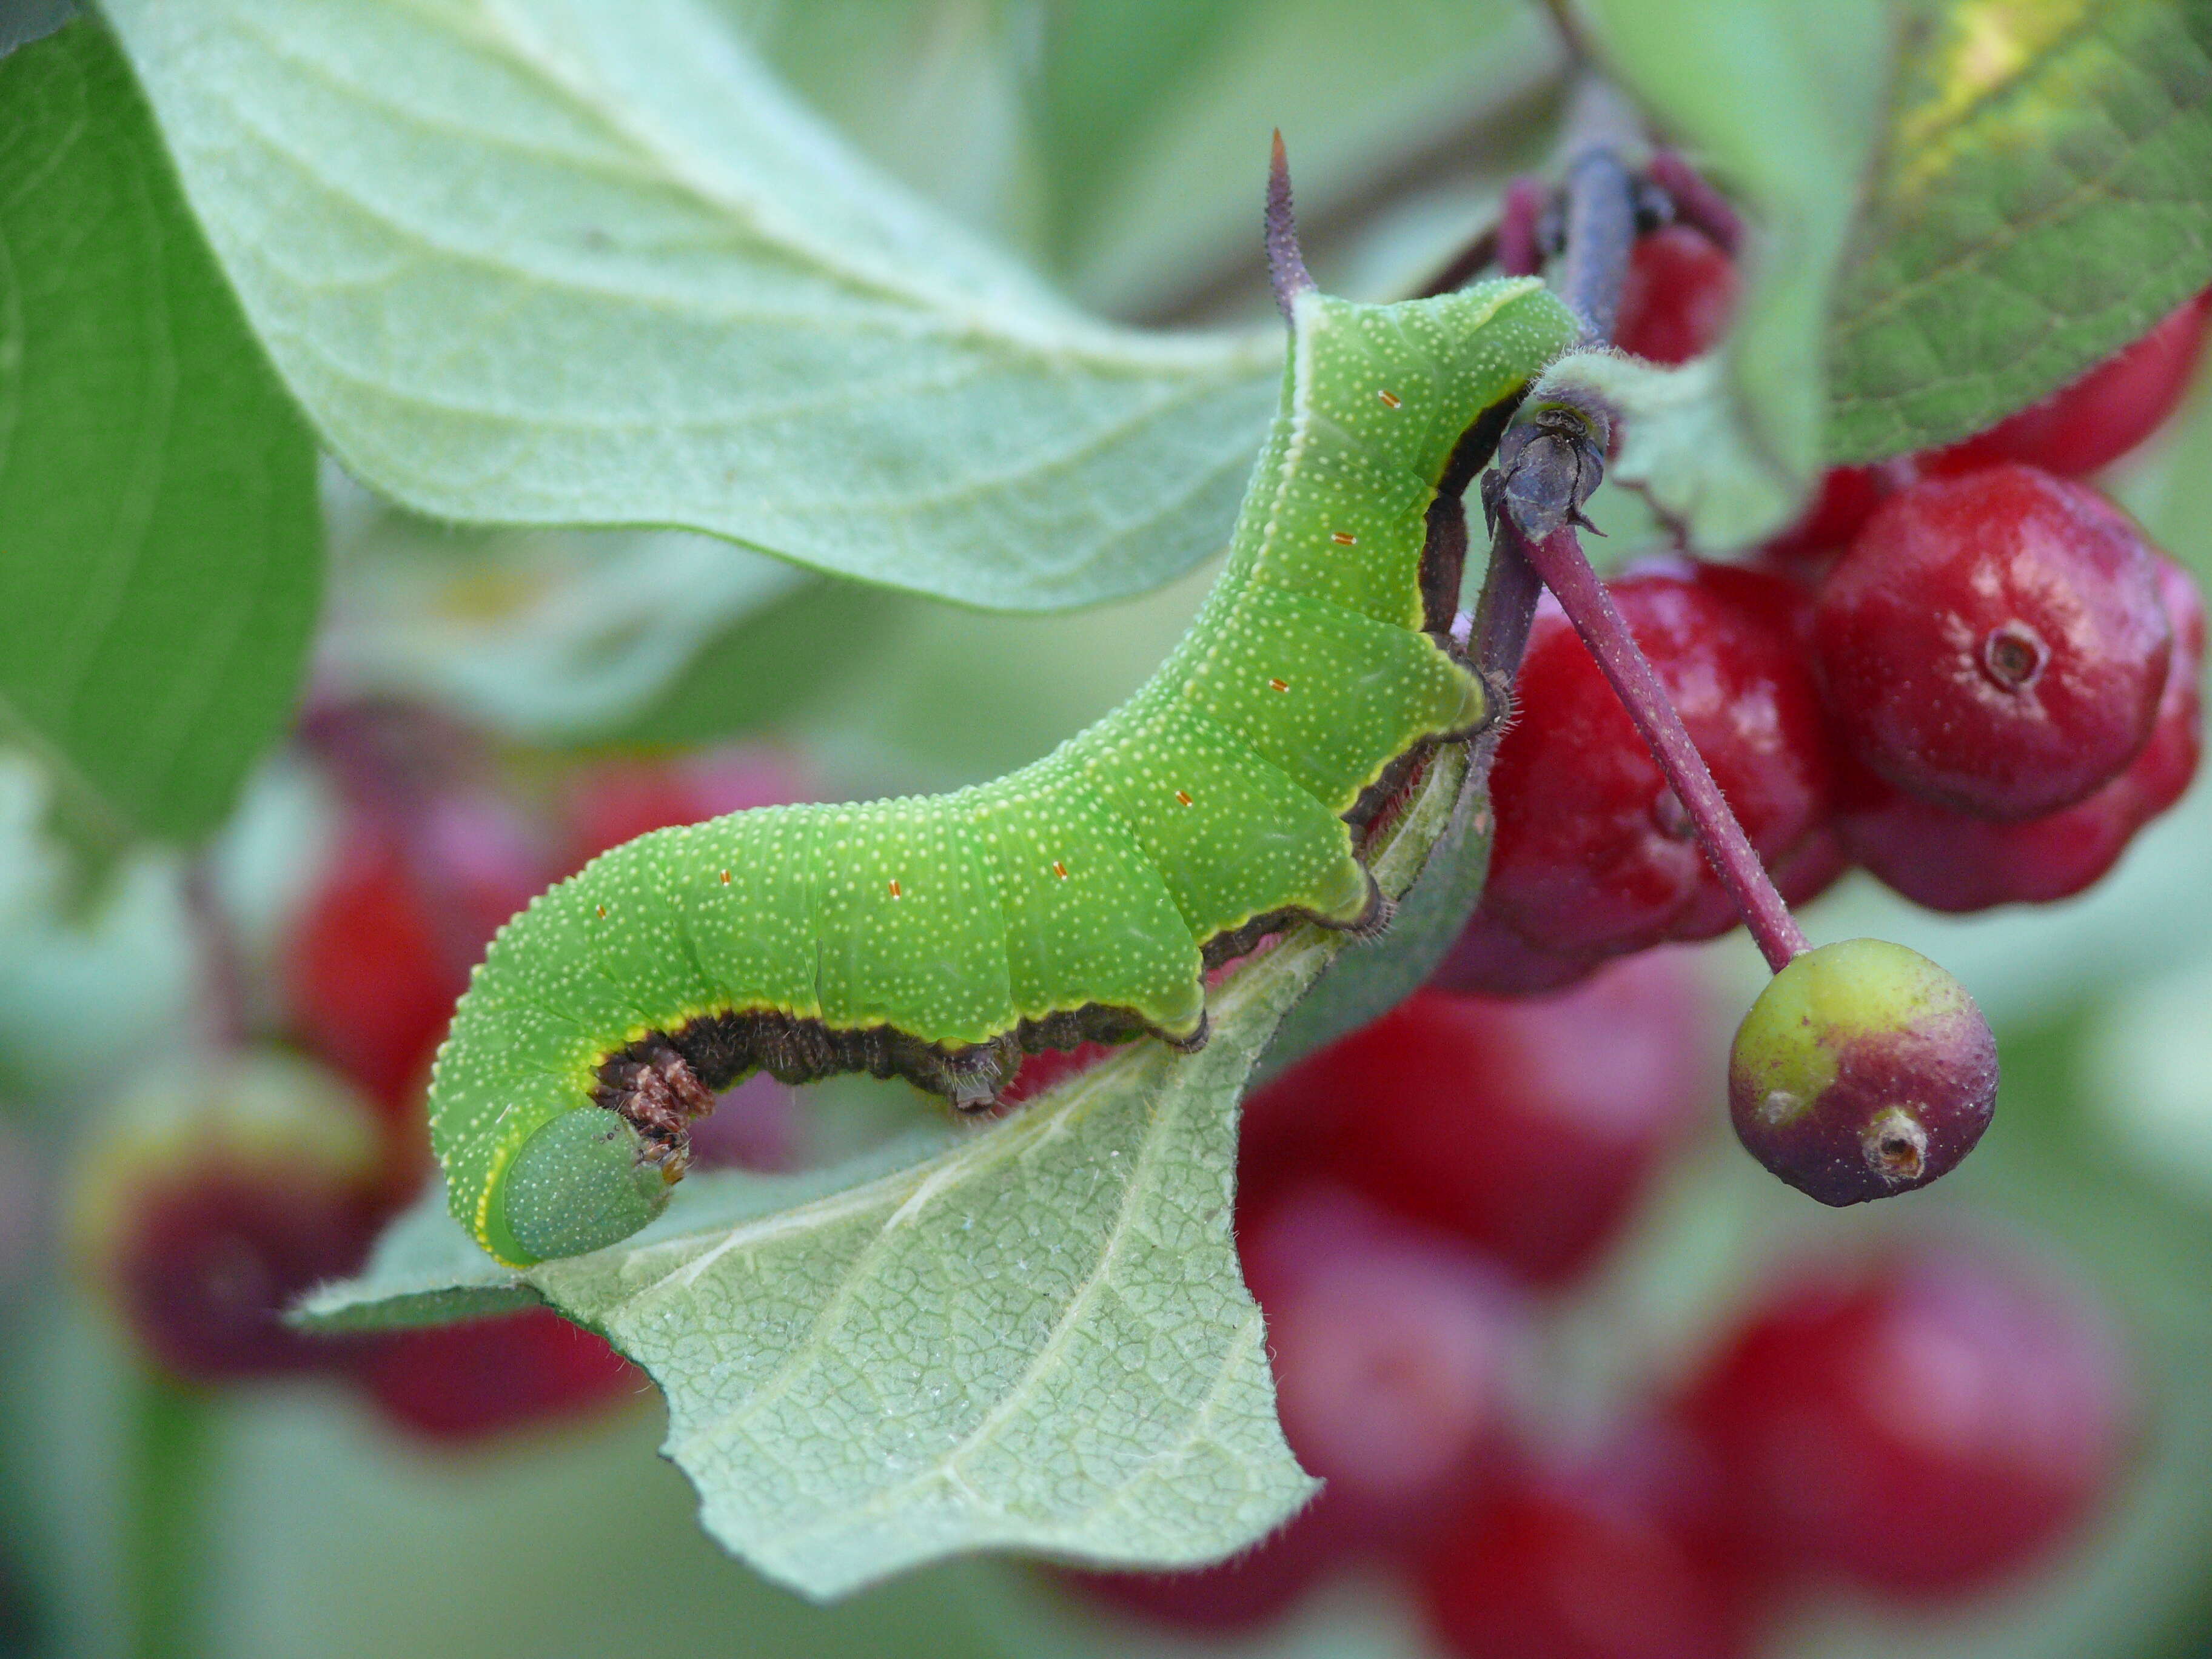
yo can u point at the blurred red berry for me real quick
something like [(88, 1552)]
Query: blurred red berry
[(1922, 1426), (1528, 1127), (1241, 1594), (370, 982), (1489, 958), (1678, 295), (1556, 1565), (2100, 416), (466, 1383), (1397, 1348), (208, 1200), (613, 801)]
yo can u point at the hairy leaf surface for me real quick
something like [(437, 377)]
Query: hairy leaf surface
[(589, 262), (1031, 1337)]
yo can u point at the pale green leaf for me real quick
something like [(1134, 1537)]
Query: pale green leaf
[(1149, 113), (1034, 1338), (548, 635), (2045, 196), (1782, 102), (159, 544), (589, 262)]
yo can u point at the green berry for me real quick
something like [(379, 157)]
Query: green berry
[(1862, 1070)]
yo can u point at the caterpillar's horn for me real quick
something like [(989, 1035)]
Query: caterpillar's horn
[(1286, 266)]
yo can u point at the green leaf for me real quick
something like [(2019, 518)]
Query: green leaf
[(589, 262), (551, 637), (2046, 196), (159, 537), (1035, 1337), (1782, 102), (1148, 112)]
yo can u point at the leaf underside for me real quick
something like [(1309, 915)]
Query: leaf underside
[(1033, 1336), (589, 262)]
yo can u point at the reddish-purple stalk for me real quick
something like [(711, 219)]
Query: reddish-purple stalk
[(1559, 560), (1696, 204)]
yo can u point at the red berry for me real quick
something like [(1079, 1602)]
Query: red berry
[(1593, 853), (1528, 1127), (211, 1197), (2102, 415), (384, 946), (1677, 297), (1948, 861), (1846, 500), (1922, 1426), (464, 1382), (618, 800), (1489, 959), (372, 983), (1241, 1593), (1396, 1348), (213, 1262), (1995, 642), (1580, 1565)]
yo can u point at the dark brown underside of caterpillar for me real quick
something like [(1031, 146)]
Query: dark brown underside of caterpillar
[(667, 1081)]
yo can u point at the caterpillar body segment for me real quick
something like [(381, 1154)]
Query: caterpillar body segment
[(940, 938)]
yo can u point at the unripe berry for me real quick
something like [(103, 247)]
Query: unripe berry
[(1862, 1071), (1995, 643), (211, 1197)]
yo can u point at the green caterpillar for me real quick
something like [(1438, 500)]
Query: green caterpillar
[(940, 938)]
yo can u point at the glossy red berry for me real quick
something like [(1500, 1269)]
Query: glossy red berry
[(1951, 861), (1528, 1128), (1558, 1564), (1677, 297), (2100, 418), (1995, 642), (458, 1383), (1397, 1348), (1593, 855), (1921, 1426)]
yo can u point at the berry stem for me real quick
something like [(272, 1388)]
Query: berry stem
[(1559, 559), (166, 1520), (1696, 204), (1601, 209)]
